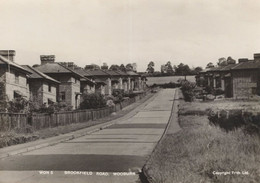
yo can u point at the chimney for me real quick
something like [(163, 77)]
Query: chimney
[(47, 59), (9, 54), (71, 65), (257, 56), (242, 60)]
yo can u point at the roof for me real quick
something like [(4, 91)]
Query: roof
[(228, 67), (38, 74), (54, 68), (247, 65), (82, 72), (122, 73), (213, 69), (112, 73), (97, 72), (5, 61), (132, 73)]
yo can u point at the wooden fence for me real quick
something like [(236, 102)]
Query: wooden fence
[(9, 121)]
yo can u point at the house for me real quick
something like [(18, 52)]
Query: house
[(43, 89), (103, 79), (246, 78), (13, 77), (134, 81), (116, 79), (87, 84), (124, 77), (69, 87)]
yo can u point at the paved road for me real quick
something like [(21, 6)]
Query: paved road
[(123, 147)]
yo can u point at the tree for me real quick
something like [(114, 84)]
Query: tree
[(92, 67), (134, 65), (129, 67), (210, 65), (150, 68), (114, 67), (222, 61), (169, 68), (182, 69), (104, 66), (122, 67), (230, 60), (198, 69)]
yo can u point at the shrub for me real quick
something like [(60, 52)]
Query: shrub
[(18, 105), (187, 89), (118, 94), (218, 91), (93, 101)]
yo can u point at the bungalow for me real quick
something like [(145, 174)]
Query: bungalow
[(69, 88), (124, 77), (103, 79), (43, 89), (116, 79), (133, 80), (13, 77), (246, 78)]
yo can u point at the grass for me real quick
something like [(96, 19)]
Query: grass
[(199, 149)]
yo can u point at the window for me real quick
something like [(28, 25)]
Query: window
[(62, 96), (16, 78), (49, 87)]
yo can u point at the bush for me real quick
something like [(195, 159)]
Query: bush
[(118, 95), (18, 105), (187, 89), (93, 101), (218, 91)]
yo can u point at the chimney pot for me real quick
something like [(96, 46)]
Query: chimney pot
[(257, 56), (47, 59), (242, 60)]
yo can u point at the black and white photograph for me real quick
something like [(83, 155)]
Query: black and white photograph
[(129, 91)]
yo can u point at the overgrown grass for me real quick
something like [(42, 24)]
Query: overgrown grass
[(199, 149)]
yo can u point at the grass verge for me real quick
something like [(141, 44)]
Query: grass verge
[(200, 152)]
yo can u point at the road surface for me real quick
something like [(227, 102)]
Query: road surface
[(123, 147)]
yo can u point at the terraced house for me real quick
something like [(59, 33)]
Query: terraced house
[(69, 87), (13, 77)]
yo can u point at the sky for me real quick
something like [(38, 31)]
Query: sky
[(194, 32)]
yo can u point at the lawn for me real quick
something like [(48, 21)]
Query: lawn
[(204, 153)]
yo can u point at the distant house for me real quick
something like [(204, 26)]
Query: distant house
[(69, 88), (43, 89), (134, 81), (102, 79), (13, 77), (87, 84), (124, 77), (116, 79)]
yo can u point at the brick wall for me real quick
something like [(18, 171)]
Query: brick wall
[(244, 84)]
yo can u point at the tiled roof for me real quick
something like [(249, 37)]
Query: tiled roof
[(54, 68), (112, 73), (5, 61), (247, 65), (36, 74), (97, 72), (122, 73), (228, 67)]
